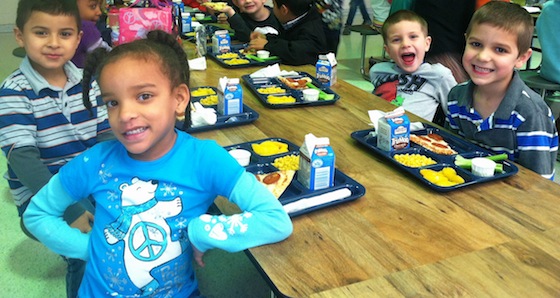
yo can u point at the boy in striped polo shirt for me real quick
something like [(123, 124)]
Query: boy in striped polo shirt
[(43, 122), (495, 109)]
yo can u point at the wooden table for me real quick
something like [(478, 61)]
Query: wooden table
[(402, 238)]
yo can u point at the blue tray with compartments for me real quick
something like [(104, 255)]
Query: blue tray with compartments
[(247, 116), (463, 147), (296, 191), (236, 53), (258, 84)]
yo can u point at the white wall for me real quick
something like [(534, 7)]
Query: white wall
[(8, 15)]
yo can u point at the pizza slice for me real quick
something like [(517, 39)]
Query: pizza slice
[(276, 182), (300, 83), (215, 5), (434, 143)]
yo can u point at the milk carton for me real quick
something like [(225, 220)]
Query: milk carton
[(187, 22), (326, 69), (221, 42), (393, 131), (316, 163), (230, 96)]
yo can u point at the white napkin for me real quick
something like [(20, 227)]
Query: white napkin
[(328, 197), (267, 72), (201, 116), (272, 71), (197, 63), (374, 116)]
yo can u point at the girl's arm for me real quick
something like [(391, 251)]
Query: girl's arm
[(43, 218), (262, 221)]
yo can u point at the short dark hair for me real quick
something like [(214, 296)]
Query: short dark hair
[(510, 17), (52, 7), (403, 15), (297, 7)]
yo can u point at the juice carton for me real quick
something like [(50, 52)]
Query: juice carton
[(221, 42), (316, 163), (230, 97), (393, 131), (326, 69)]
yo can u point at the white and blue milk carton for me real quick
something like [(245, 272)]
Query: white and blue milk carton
[(221, 42), (230, 96), (316, 163), (393, 131), (326, 69), (187, 22)]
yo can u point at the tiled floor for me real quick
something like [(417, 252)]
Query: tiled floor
[(30, 270)]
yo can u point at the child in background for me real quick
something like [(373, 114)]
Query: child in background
[(354, 5), (331, 15), (195, 4), (152, 186), (43, 123), (549, 39), (90, 11), (301, 37), (381, 9), (495, 108), (408, 81), (253, 15)]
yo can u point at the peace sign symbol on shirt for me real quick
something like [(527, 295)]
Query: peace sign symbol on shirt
[(147, 241)]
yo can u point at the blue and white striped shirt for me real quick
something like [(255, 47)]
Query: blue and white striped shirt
[(52, 119), (523, 125)]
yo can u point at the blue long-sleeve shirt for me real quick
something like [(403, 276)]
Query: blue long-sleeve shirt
[(148, 214)]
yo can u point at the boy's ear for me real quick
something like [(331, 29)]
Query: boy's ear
[(284, 9), (19, 37), (428, 42), (183, 97), (522, 59)]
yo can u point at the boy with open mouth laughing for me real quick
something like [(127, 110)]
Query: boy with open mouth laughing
[(421, 88)]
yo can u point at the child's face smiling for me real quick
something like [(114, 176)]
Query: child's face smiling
[(142, 108), (49, 41), (249, 6), (490, 56), (407, 45)]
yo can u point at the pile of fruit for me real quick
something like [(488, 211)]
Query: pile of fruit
[(268, 148), (446, 177)]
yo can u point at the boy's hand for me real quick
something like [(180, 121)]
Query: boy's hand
[(258, 41), (198, 256), (83, 223), (222, 18), (227, 10)]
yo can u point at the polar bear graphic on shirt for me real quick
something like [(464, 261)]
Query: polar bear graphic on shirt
[(146, 234)]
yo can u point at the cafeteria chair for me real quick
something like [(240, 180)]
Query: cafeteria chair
[(366, 31)]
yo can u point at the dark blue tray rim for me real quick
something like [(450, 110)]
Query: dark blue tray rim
[(252, 116), (262, 97), (511, 169), (235, 49), (341, 179)]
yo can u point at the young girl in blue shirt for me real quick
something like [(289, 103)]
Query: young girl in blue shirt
[(152, 186)]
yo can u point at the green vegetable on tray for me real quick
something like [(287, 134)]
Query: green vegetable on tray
[(466, 163), (322, 94)]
